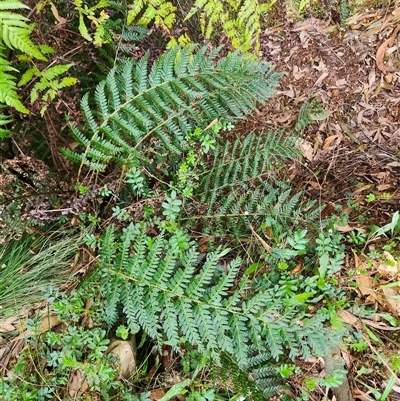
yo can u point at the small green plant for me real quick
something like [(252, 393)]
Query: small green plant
[(159, 12), (52, 359), (48, 84), (393, 228), (357, 237), (5, 120), (97, 16), (311, 110)]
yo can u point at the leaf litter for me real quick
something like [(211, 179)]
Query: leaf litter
[(351, 161)]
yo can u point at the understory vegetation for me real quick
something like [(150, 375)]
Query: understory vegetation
[(143, 221)]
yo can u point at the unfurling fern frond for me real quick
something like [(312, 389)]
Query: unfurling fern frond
[(181, 296), (139, 113)]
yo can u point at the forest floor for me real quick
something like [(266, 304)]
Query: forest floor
[(351, 159)]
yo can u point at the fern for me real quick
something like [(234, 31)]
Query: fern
[(15, 33), (120, 41), (185, 89), (256, 380), (159, 12), (4, 121), (15, 30), (181, 296), (49, 82), (97, 20), (240, 21), (237, 192), (310, 111)]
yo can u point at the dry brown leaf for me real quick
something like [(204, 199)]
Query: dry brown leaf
[(77, 384), (380, 53), (57, 16), (388, 78), (307, 149), (8, 324), (379, 325), (371, 78), (48, 322), (328, 141), (298, 73), (391, 295), (393, 164), (349, 318), (319, 81), (383, 187), (365, 284), (262, 242), (387, 266), (363, 188), (156, 394), (344, 229), (356, 259), (341, 82), (314, 184)]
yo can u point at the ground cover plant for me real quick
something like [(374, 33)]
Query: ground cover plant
[(175, 237)]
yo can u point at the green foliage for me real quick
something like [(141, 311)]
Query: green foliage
[(120, 40), (51, 360), (236, 193), (49, 83), (238, 20), (256, 380), (140, 115), (33, 262), (180, 296), (310, 111), (97, 20), (15, 33), (160, 12), (15, 29), (4, 121)]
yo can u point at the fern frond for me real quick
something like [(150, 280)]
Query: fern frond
[(240, 20), (183, 90), (251, 381), (4, 121), (236, 190), (8, 86), (168, 292), (15, 33), (160, 11), (15, 30)]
